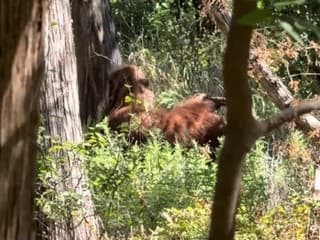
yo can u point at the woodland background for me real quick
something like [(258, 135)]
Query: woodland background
[(92, 183)]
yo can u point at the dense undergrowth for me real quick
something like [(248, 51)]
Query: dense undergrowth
[(159, 191)]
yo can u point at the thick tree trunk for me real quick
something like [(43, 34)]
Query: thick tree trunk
[(60, 106), (97, 52), (21, 72)]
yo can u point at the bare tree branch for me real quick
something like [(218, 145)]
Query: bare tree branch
[(288, 115), (278, 93), (301, 74)]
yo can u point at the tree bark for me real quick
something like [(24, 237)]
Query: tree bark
[(279, 93), (60, 106), (97, 51), (21, 72), (239, 130)]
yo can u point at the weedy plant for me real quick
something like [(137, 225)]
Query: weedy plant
[(161, 191)]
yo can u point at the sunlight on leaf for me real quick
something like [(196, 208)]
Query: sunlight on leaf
[(290, 30), (286, 3), (128, 99)]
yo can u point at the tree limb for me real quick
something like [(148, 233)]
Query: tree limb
[(278, 93), (287, 115)]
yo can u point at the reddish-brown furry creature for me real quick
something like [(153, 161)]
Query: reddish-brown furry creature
[(192, 119), (128, 82)]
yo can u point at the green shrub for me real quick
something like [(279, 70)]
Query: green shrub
[(161, 191)]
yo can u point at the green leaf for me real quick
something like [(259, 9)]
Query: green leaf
[(255, 17), (53, 24), (285, 3), (290, 30), (128, 99), (165, 5), (304, 25)]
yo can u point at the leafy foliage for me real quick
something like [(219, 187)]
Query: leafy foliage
[(168, 47), (159, 191), (134, 186)]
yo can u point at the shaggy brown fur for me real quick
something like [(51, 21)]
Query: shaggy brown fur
[(193, 119)]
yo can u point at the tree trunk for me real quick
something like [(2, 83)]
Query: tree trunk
[(97, 52), (21, 71), (60, 106), (277, 92), (240, 128)]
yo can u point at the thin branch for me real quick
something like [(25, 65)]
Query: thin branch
[(288, 114), (301, 74), (103, 57)]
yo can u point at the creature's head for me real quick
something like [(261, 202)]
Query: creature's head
[(129, 85)]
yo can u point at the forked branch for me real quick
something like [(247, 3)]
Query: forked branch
[(287, 115)]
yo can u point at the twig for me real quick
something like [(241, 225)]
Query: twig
[(301, 74)]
